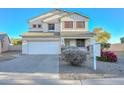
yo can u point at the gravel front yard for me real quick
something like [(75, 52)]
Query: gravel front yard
[(104, 69)]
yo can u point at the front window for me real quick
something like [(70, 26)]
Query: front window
[(68, 24), (34, 26), (80, 43), (51, 26), (80, 24), (39, 26)]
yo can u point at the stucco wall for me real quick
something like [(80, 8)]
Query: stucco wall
[(59, 23), (73, 42), (5, 44), (74, 18), (15, 48), (116, 47)]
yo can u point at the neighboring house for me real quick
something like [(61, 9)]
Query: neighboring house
[(4, 42), (55, 29)]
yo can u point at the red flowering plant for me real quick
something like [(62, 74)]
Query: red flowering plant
[(107, 56)]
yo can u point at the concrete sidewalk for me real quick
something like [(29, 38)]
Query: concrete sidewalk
[(39, 82), (105, 81)]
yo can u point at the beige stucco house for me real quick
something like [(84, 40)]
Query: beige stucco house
[(49, 32), (4, 42)]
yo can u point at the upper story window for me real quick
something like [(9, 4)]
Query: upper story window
[(34, 26), (39, 26), (68, 24), (80, 24), (51, 26)]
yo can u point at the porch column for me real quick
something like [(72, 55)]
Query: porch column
[(94, 54), (62, 41)]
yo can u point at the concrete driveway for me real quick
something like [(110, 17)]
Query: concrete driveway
[(31, 64), (29, 67), (17, 69)]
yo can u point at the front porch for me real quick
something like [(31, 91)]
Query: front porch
[(75, 42), (76, 39), (80, 42)]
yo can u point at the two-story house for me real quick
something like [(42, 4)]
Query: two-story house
[(55, 29)]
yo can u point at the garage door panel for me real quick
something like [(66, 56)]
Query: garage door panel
[(43, 48)]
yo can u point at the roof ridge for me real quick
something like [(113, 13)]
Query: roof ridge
[(57, 9)]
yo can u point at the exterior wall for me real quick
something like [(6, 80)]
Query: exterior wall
[(44, 15), (5, 44), (59, 23), (87, 42), (0, 48), (73, 42), (74, 18), (24, 47), (44, 22), (56, 16), (36, 29), (15, 48), (44, 27), (116, 47), (26, 41), (52, 46)]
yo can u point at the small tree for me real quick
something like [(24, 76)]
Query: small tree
[(122, 39), (102, 37), (16, 41)]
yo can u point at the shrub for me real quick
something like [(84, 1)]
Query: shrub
[(73, 55), (105, 45), (107, 56), (16, 41)]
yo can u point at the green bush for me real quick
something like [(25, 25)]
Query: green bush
[(73, 55)]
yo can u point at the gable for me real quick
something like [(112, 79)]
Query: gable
[(74, 17), (57, 16), (46, 15)]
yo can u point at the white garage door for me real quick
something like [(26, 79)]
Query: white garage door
[(43, 47)]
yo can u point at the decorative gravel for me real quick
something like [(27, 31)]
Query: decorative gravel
[(104, 69)]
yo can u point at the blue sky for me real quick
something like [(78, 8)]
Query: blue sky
[(13, 21)]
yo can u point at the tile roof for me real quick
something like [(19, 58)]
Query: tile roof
[(60, 10), (77, 34), (39, 34), (57, 34)]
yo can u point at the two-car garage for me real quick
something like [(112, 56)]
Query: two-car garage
[(41, 47), (40, 43)]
